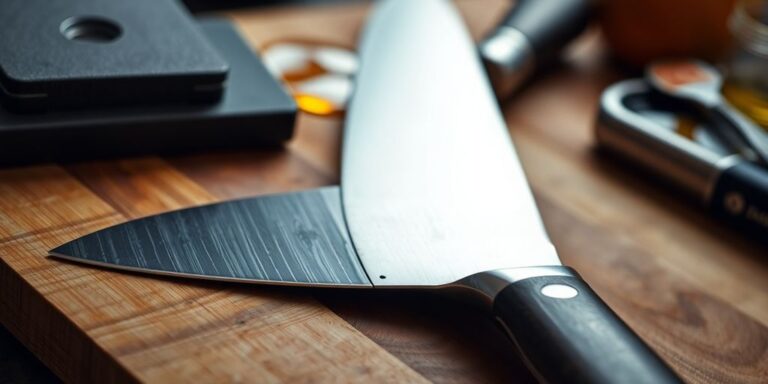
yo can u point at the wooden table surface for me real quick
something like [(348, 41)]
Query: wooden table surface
[(694, 290)]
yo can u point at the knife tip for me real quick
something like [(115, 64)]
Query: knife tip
[(62, 251)]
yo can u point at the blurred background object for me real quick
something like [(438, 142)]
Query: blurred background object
[(530, 37), (698, 84), (318, 75), (746, 85), (639, 31), (669, 139)]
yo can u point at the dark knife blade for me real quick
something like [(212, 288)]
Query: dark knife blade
[(289, 239)]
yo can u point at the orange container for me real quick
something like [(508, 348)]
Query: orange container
[(639, 31)]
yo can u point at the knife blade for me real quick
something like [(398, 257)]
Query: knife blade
[(432, 196), (295, 238), (431, 185)]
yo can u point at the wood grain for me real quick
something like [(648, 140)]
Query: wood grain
[(695, 291), (102, 326)]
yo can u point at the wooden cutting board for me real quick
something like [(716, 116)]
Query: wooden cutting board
[(694, 290)]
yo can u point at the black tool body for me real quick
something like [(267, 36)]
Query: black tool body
[(90, 53), (254, 111)]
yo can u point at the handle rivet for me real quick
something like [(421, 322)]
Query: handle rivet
[(559, 291)]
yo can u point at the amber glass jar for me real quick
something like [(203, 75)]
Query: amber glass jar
[(746, 84)]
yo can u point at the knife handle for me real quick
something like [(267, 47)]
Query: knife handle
[(549, 24), (740, 198), (567, 334)]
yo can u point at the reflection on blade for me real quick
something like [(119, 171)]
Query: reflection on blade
[(297, 238), (431, 186)]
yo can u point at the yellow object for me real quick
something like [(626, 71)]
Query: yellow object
[(318, 74), (749, 101), (315, 105), (746, 83), (685, 127)]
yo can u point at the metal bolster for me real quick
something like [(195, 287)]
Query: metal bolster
[(509, 58), (488, 284)]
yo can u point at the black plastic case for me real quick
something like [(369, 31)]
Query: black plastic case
[(86, 53), (254, 110)]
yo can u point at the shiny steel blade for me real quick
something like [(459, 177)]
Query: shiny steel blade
[(289, 239), (431, 186)]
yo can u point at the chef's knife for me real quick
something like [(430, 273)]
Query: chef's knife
[(432, 197)]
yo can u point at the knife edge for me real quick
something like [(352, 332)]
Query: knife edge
[(226, 279), (296, 238)]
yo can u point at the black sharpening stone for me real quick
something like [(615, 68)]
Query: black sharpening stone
[(83, 53), (254, 111)]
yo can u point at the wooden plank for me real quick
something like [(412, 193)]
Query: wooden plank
[(39, 208), (90, 324), (268, 172)]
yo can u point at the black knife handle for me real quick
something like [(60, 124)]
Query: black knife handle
[(529, 37), (740, 197), (575, 339)]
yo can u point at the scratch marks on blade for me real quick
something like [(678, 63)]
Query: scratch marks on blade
[(291, 238)]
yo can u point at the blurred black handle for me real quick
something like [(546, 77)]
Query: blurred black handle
[(740, 198), (529, 37), (575, 339), (548, 24)]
